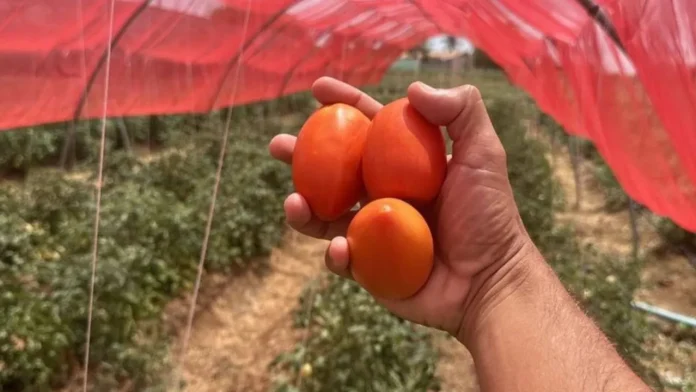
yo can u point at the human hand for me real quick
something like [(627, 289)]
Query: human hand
[(480, 241)]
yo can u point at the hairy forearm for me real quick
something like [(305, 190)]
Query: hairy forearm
[(532, 336)]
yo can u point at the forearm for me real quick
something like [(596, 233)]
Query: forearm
[(532, 336)]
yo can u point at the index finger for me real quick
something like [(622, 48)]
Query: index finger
[(282, 146), (328, 90)]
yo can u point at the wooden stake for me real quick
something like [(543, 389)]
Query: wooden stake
[(635, 238), (123, 131), (68, 145), (575, 163)]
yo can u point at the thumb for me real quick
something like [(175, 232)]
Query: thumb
[(462, 111)]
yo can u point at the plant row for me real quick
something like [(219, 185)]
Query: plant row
[(354, 344), (68, 144), (153, 215), (585, 154)]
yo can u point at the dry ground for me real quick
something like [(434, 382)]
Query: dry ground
[(667, 278), (249, 322), (244, 323)]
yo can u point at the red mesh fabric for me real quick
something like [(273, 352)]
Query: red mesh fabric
[(175, 56)]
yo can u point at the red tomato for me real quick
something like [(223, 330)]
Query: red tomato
[(404, 155), (327, 159), (391, 249)]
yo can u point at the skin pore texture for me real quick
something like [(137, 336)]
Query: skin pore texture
[(489, 286), (530, 335)]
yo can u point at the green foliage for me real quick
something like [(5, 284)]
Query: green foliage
[(674, 233), (554, 130), (529, 171), (583, 147), (482, 60), (491, 82), (604, 286), (675, 237), (615, 199), (355, 345), (20, 149), (152, 221)]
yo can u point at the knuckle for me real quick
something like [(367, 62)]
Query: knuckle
[(499, 154), (472, 93)]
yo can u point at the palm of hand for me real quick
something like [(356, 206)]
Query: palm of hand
[(474, 221)]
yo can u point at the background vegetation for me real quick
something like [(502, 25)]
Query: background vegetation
[(153, 214), (152, 221), (603, 284), (675, 238)]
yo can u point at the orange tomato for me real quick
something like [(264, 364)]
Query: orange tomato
[(326, 160), (404, 155), (391, 248)]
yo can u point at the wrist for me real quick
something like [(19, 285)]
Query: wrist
[(502, 282), (521, 314)]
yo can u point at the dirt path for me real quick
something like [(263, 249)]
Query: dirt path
[(242, 325), (246, 323), (667, 279), (455, 367), (249, 322), (609, 232)]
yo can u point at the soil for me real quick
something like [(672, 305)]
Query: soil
[(668, 280), (244, 323), (455, 367), (247, 322), (229, 351)]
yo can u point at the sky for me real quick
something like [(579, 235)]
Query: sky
[(439, 43)]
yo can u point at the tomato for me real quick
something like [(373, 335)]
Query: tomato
[(391, 248), (404, 155), (326, 163)]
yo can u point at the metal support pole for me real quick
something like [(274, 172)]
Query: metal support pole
[(68, 145), (635, 237), (595, 12), (125, 136), (575, 162)]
